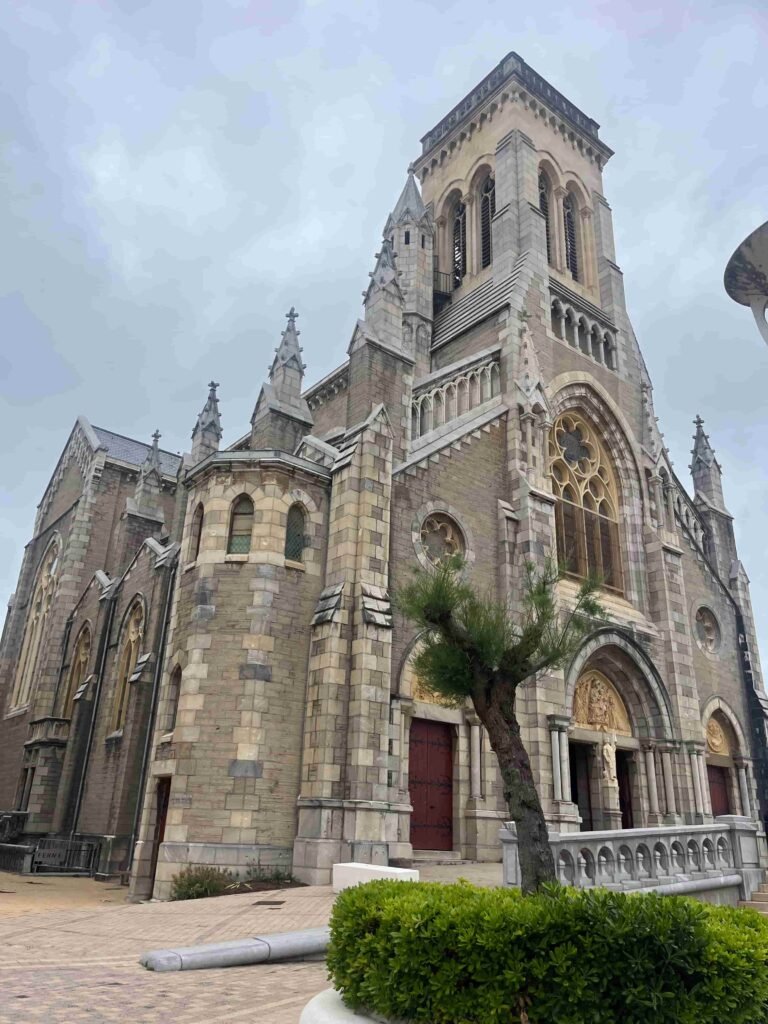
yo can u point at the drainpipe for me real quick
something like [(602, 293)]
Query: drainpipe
[(159, 662), (103, 646)]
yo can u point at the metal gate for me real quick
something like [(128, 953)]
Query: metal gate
[(65, 856)]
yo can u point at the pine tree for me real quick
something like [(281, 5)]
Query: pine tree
[(474, 648)]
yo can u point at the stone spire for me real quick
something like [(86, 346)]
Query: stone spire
[(146, 497), (409, 208), (281, 416), (207, 431), (384, 301), (705, 469)]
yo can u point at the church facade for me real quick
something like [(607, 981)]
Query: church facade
[(203, 663)]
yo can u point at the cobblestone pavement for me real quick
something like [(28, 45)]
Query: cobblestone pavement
[(78, 961)]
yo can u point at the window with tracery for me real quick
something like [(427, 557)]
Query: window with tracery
[(295, 540), (544, 192), (459, 243), (587, 509), (487, 211), (441, 537), (77, 669), (133, 631), (571, 235), (240, 526), (37, 617), (197, 533)]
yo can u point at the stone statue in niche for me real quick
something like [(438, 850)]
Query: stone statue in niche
[(609, 762), (598, 706)]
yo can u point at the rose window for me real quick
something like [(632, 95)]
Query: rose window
[(441, 538), (707, 630)]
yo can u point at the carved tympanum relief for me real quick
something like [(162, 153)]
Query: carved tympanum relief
[(717, 738), (597, 705)]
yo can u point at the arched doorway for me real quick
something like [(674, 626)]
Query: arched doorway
[(601, 754), (722, 772)]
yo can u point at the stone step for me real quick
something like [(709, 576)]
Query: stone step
[(760, 895), (436, 857), (761, 908)]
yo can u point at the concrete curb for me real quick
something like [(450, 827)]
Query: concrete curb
[(328, 1008), (306, 944)]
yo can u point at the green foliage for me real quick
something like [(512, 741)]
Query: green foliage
[(198, 881), (471, 639), (455, 954)]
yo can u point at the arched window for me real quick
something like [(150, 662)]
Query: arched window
[(174, 692), (295, 541), (487, 211), (571, 237), (240, 526), (459, 243), (130, 645), (197, 533), (587, 509), (37, 617), (544, 194), (78, 667)]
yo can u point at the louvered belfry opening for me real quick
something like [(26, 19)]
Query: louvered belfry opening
[(571, 248), (459, 243), (544, 207), (487, 211)]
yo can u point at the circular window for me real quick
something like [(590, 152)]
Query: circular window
[(707, 630), (441, 537)]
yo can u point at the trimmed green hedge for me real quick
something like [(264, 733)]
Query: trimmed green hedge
[(455, 954)]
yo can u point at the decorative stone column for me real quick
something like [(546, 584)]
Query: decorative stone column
[(698, 806), (654, 815), (475, 769), (557, 775), (669, 785), (470, 230), (706, 802), (558, 228), (588, 247), (742, 774)]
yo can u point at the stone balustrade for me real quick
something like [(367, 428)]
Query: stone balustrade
[(727, 857), (446, 396)]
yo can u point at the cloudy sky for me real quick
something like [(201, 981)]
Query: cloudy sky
[(176, 174)]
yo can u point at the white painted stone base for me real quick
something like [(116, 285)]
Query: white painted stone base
[(346, 875), (327, 1008)]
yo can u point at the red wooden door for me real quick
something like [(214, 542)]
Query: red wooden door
[(430, 778), (718, 789)]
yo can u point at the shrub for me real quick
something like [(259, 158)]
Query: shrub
[(455, 954), (198, 881)]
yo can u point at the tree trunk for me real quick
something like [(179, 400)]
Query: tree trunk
[(496, 710)]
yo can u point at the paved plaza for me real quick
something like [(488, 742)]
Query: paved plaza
[(69, 949)]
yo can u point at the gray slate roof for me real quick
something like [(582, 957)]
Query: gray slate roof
[(135, 452)]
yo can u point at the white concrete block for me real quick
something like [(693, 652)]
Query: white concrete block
[(345, 875)]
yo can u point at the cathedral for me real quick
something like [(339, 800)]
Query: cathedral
[(203, 662)]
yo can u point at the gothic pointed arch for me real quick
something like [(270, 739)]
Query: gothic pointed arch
[(721, 712), (295, 533), (196, 535), (588, 501), (129, 648), (43, 592), (78, 668), (575, 392), (622, 661), (546, 208), (487, 205)]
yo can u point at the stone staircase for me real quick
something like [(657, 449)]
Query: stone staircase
[(758, 900)]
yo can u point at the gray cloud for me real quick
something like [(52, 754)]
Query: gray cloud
[(176, 176)]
